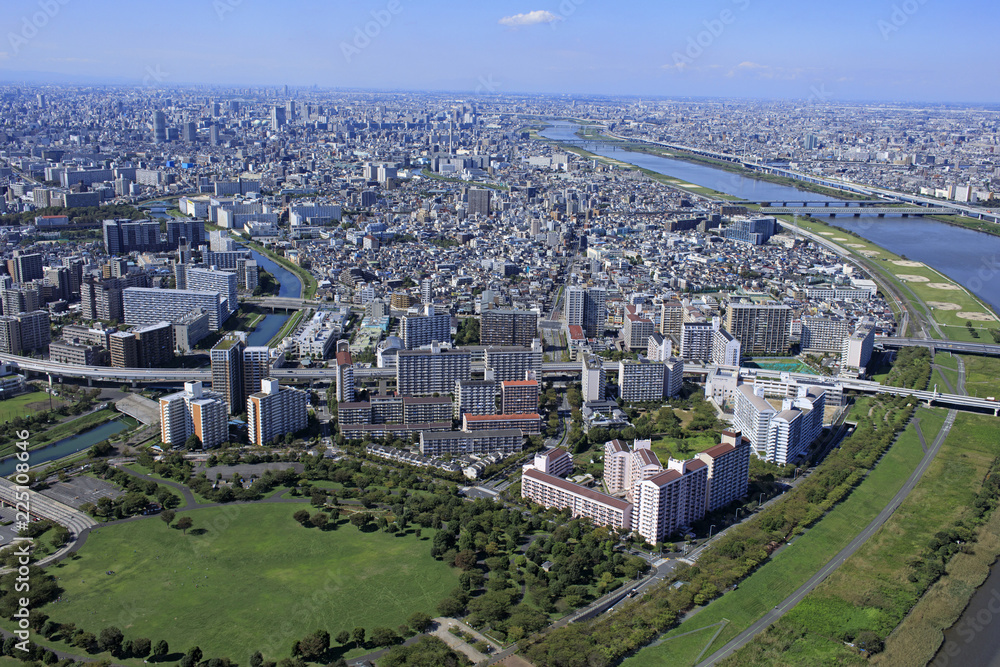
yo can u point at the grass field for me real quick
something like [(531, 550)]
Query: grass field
[(789, 569), (255, 580), (870, 591), (982, 376), (26, 404), (950, 305)]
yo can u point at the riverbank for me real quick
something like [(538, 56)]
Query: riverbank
[(309, 284), (958, 314), (991, 228), (674, 183), (640, 146)]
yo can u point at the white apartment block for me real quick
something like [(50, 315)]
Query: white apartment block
[(824, 334), (671, 500), (594, 380), (728, 470), (145, 305), (550, 491), (274, 411), (726, 349), (640, 381), (434, 371), (194, 411)]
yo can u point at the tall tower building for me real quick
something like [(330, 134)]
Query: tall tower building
[(274, 411), (159, 127), (227, 372)]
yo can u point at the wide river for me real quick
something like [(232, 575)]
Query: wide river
[(970, 258)]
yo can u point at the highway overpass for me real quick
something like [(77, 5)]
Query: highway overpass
[(986, 349)]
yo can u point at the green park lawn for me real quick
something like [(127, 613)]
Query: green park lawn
[(26, 404), (982, 376), (246, 578)]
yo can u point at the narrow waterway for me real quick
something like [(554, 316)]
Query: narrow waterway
[(970, 258), (289, 286), (66, 446)]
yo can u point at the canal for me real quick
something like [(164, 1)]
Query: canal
[(66, 446), (289, 286), (970, 258)]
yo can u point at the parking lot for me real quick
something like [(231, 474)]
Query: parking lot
[(78, 490), (7, 533)]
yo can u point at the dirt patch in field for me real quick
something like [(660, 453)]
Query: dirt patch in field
[(976, 317), (827, 233), (870, 253), (839, 238), (911, 278), (906, 262), (945, 286), (854, 245), (944, 305)]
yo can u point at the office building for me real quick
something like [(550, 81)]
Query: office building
[(426, 372), (275, 411), (518, 396), (148, 306), (150, 346), (479, 201), (459, 443), (419, 330), (762, 329), (194, 411), (551, 491), (227, 372), (190, 330), (511, 363), (278, 117), (508, 327), (636, 329), (728, 470), (159, 127)]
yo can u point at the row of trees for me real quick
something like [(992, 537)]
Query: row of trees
[(736, 555)]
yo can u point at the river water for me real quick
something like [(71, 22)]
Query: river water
[(968, 257), (289, 286), (66, 446)]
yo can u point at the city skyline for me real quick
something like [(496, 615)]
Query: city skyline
[(850, 51)]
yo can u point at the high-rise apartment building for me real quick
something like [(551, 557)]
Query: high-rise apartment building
[(671, 500), (479, 201), (275, 411), (762, 329), (124, 236), (227, 372), (194, 411), (148, 306), (636, 329), (419, 330), (426, 372), (726, 349), (728, 470), (671, 319), (24, 332), (511, 363), (508, 327), (345, 373), (151, 346), (24, 268), (518, 396), (594, 379)]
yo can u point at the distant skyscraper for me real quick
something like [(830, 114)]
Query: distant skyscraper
[(479, 202), (278, 118), (159, 127)]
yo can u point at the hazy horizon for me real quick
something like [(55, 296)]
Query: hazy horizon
[(770, 50)]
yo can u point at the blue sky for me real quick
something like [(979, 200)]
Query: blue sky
[(894, 50)]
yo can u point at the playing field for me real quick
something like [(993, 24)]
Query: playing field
[(254, 580), (26, 404)]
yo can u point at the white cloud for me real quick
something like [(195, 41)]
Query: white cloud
[(531, 18)]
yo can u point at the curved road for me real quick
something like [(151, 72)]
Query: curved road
[(788, 603)]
